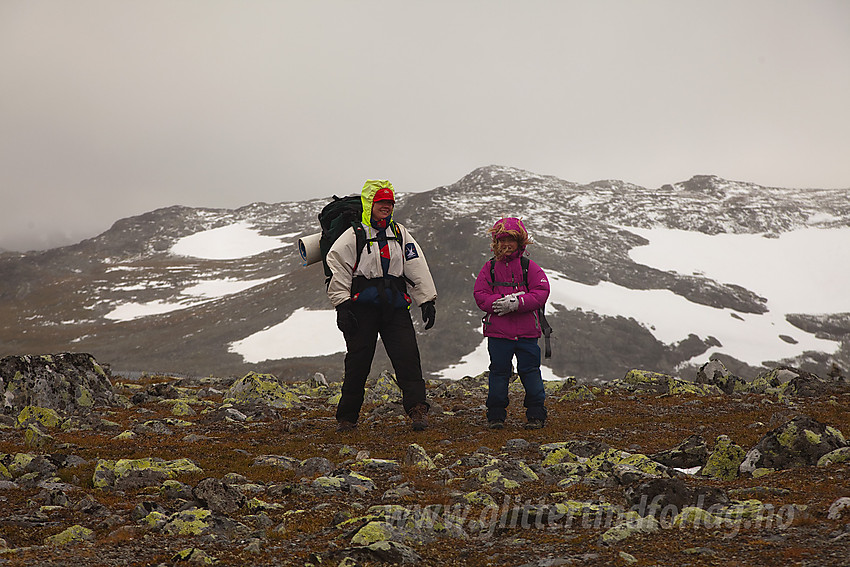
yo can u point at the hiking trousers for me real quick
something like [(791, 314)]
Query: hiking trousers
[(527, 352), (396, 330)]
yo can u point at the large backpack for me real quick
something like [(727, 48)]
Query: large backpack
[(544, 324), (338, 216)]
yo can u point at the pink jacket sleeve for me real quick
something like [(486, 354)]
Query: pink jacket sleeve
[(538, 289), (483, 291)]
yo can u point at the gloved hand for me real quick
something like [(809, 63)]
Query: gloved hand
[(345, 319), (429, 313), (507, 304)]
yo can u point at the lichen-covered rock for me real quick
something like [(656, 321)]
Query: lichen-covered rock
[(261, 388), (35, 437), (383, 389), (69, 383), (193, 555), (505, 474), (714, 372), (692, 452), (218, 496), (841, 455), (134, 473), (44, 417), (375, 531), (581, 393), (799, 442), (658, 496), (74, 534), (624, 530), (724, 460), (385, 552), (192, 522), (343, 480), (654, 382), (417, 457)]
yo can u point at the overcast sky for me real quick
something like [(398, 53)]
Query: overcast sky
[(113, 108)]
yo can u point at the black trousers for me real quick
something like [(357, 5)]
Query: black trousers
[(399, 338)]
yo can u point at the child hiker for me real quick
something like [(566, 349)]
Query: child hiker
[(510, 289)]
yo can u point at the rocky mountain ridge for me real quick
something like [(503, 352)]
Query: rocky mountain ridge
[(69, 298)]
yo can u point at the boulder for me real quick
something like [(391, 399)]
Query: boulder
[(661, 495), (690, 453), (69, 383), (799, 442), (218, 496), (715, 373), (724, 461), (263, 389)]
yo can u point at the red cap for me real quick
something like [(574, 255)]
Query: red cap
[(384, 194)]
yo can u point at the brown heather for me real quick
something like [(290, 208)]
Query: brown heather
[(642, 423)]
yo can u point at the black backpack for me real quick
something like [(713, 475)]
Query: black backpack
[(544, 324), (338, 216)]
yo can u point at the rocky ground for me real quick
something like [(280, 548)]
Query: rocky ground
[(98, 470)]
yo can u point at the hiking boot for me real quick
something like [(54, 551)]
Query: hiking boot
[(345, 426), (419, 416), (535, 424), (496, 424)]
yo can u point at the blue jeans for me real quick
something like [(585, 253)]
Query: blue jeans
[(527, 352)]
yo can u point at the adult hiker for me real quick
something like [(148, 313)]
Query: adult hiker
[(511, 289), (372, 296)]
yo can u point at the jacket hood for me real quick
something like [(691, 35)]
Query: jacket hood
[(513, 227), (367, 197)]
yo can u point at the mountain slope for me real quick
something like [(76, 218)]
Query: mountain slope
[(177, 289)]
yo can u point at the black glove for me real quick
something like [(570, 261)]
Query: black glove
[(345, 319), (429, 313)]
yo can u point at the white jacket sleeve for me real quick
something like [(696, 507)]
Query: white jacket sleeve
[(341, 258)]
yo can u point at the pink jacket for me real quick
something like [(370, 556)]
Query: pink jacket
[(524, 321)]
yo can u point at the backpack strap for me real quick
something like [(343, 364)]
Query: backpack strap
[(523, 261)]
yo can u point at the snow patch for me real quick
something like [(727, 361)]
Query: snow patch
[(230, 242), (304, 333)]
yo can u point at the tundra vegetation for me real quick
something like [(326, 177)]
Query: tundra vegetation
[(650, 469)]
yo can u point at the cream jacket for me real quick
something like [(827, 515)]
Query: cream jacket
[(406, 259)]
